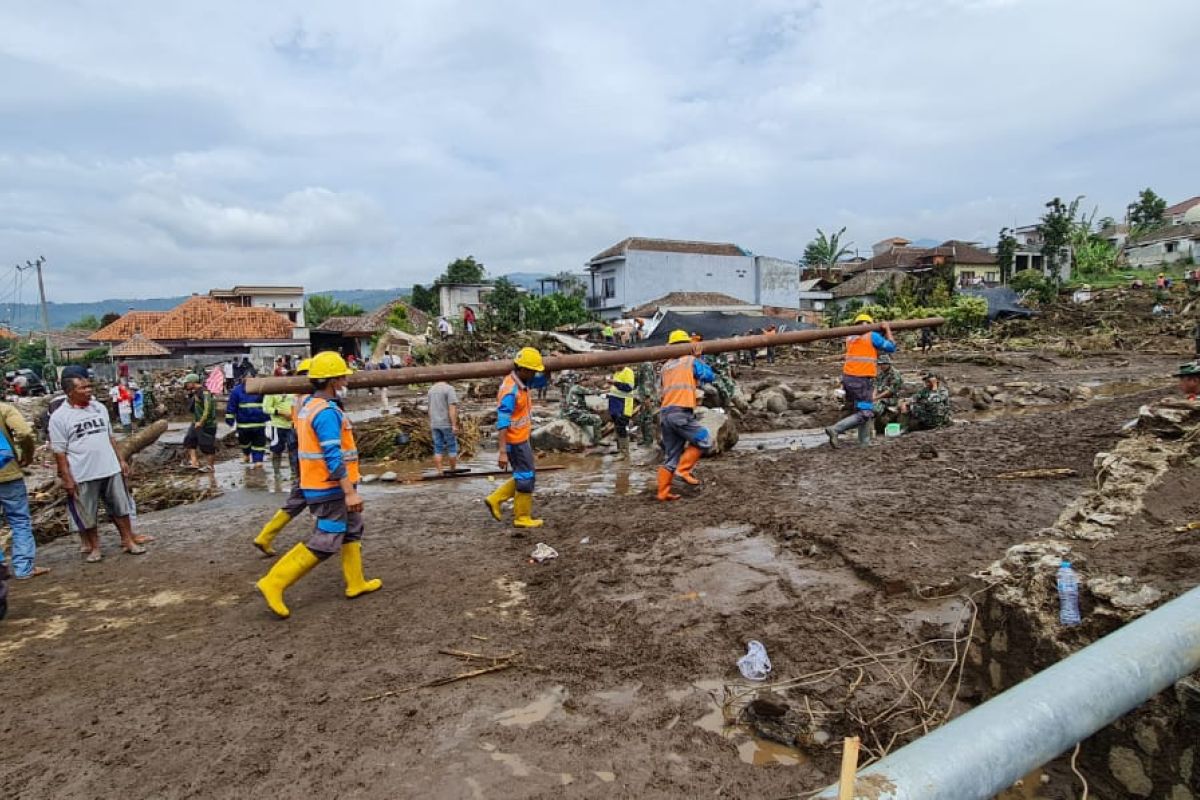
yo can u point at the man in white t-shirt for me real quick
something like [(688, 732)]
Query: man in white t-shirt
[(91, 469)]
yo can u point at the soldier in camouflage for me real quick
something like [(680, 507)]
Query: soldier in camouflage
[(574, 407), (930, 407), (647, 396), (725, 385), (888, 386)]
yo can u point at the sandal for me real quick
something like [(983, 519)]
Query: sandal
[(93, 557), (142, 538), (135, 550)]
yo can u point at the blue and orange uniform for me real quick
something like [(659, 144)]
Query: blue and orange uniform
[(684, 440), (514, 424)]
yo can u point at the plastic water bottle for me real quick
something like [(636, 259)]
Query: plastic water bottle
[(1068, 595)]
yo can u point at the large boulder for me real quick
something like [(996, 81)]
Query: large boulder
[(559, 434), (770, 399), (721, 429)]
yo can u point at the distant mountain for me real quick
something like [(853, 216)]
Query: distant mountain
[(28, 316)]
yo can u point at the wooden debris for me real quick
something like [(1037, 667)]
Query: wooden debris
[(1049, 472), (503, 663), (376, 438)]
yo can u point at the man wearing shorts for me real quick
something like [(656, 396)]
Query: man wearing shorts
[(202, 433), (443, 421), (91, 469)]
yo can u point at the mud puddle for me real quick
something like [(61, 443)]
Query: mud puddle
[(751, 749)]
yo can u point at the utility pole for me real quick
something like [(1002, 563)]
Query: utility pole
[(45, 314)]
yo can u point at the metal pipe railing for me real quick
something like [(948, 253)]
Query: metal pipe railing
[(989, 748), (606, 358)]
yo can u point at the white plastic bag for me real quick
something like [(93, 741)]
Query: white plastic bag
[(755, 665)]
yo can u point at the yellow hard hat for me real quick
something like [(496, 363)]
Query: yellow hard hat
[(327, 365), (303, 366), (679, 337), (530, 358), (863, 317), (624, 376)]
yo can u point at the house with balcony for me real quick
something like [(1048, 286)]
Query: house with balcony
[(637, 270), (285, 300)]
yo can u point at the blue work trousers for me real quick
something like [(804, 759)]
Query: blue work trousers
[(15, 502)]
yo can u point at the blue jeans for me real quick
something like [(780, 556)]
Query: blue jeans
[(15, 502)]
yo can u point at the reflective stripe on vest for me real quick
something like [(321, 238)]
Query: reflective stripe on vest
[(520, 423), (627, 397), (860, 357), (314, 474), (677, 386)]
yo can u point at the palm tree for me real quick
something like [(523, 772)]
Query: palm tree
[(825, 251)]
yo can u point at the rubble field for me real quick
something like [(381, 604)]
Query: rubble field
[(877, 578)]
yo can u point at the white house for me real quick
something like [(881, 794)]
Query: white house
[(1180, 213), (1166, 245), (286, 300), (635, 270)]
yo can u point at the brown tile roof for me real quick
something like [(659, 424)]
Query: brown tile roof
[(893, 240), (967, 253), (5, 333), (341, 324), (866, 283), (245, 323), (1182, 208), (139, 347), (903, 258), (670, 246), (130, 323), (686, 299)]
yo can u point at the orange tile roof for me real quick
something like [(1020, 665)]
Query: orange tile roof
[(5, 333), (186, 320), (246, 323), (139, 347), (122, 329)]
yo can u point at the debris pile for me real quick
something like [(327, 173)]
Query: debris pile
[(405, 435)]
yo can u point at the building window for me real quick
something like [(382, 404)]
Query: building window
[(993, 277), (610, 287), (1171, 247)]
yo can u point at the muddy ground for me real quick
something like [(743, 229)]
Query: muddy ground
[(165, 676)]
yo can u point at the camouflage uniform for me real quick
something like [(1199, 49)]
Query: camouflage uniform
[(930, 409), (888, 409), (725, 385), (575, 408), (647, 397)]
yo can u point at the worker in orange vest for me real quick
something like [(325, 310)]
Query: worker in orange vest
[(858, 378), (329, 479), (514, 422), (683, 439)]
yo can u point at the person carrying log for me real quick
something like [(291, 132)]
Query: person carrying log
[(514, 423), (329, 478), (858, 379), (684, 440)]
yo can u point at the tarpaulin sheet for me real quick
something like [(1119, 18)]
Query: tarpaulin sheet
[(1003, 302), (719, 325)]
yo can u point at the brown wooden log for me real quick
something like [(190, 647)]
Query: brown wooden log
[(136, 442), (604, 358)]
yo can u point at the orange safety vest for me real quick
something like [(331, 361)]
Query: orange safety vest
[(677, 385), (520, 424), (314, 474), (860, 357)]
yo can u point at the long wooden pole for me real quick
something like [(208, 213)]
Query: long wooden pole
[(603, 358)]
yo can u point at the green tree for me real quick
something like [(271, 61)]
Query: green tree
[(425, 299), (87, 322), (1146, 213), (398, 318), (320, 307), (109, 319), (825, 251), (463, 270), (504, 306), (1006, 253), (1056, 228)]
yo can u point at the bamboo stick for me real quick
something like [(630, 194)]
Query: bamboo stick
[(849, 768)]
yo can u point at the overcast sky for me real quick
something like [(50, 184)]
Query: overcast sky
[(151, 148)]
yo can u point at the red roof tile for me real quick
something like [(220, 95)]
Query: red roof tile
[(670, 246), (122, 329), (241, 323), (139, 347)]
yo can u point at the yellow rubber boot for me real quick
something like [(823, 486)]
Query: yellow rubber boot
[(352, 571), (496, 500), (294, 565), (523, 511), (270, 531), (691, 455)]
